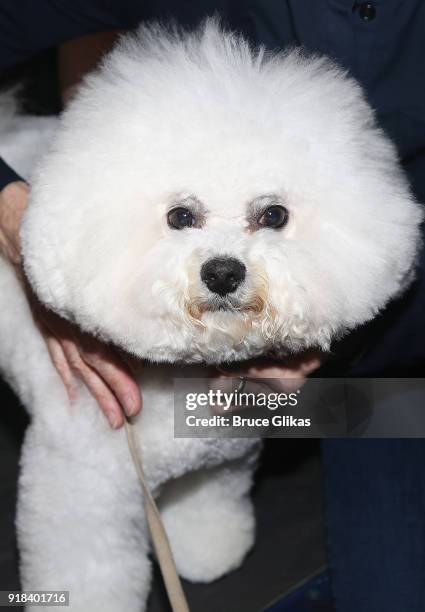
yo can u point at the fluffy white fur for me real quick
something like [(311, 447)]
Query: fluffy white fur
[(202, 120)]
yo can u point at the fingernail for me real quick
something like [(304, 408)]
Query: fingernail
[(131, 405), (113, 419)]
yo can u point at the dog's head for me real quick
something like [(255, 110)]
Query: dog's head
[(202, 201)]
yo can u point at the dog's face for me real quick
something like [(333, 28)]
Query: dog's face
[(202, 203)]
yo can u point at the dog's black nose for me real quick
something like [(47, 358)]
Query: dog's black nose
[(223, 275)]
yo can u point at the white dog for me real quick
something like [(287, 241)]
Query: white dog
[(201, 203)]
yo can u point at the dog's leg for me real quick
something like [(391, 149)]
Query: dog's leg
[(209, 519), (81, 525)]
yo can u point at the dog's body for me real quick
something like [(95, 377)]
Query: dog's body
[(201, 203)]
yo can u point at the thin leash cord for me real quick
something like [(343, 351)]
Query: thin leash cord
[(158, 534)]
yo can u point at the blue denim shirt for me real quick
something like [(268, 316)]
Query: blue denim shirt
[(381, 43)]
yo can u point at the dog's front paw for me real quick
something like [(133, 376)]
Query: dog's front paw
[(209, 542)]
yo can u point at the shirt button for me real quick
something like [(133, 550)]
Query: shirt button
[(366, 10)]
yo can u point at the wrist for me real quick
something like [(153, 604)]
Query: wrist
[(13, 201), (13, 191)]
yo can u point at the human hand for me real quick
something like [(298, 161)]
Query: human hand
[(269, 375), (73, 353), (76, 354), (283, 375)]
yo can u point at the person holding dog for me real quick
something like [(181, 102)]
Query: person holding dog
[(368, 483)]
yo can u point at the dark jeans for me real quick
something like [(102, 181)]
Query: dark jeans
[(375, 504)]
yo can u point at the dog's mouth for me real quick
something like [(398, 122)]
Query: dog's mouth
[(223, 304), (197, 308), (225, 307)]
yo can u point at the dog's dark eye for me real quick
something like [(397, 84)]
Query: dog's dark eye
[(179, 218), (275, 216)]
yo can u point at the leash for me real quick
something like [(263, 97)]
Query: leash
[(157, 531)]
